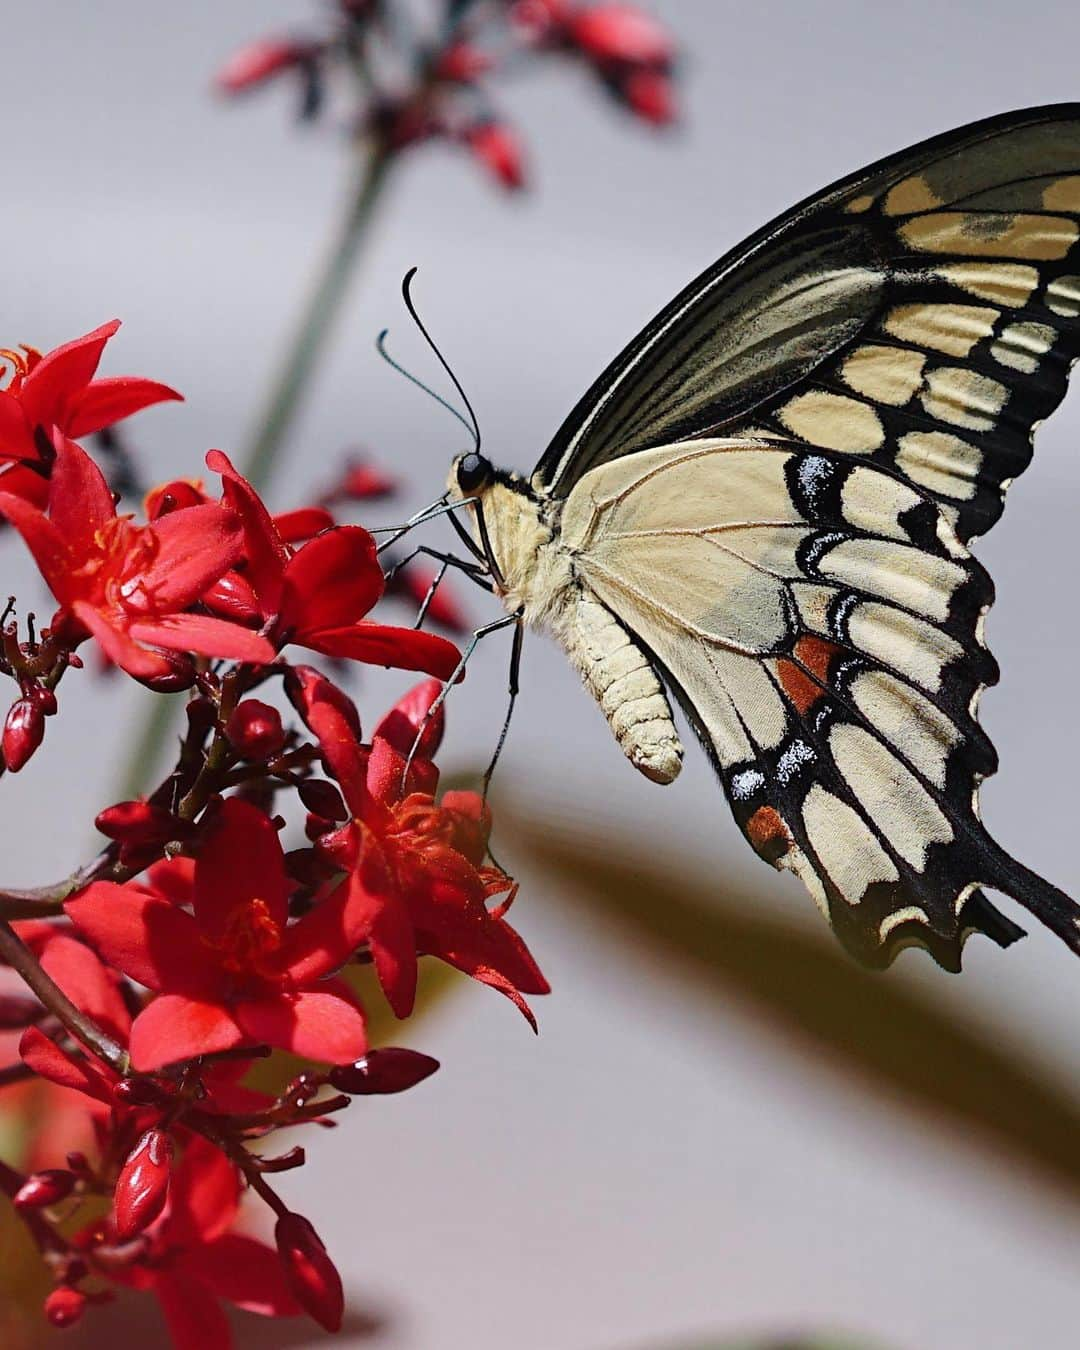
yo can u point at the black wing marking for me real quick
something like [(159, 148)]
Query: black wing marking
[(922, 314)]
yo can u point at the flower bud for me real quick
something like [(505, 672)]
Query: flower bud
[(255, 729), (44, 1188), (363, 482), (381, 1072), (179, 676), (311, 1275), (232, 597), (64, 1306), (140, 1092), (174, 496), (499, 150), (649, 94), (24, 729), (139, 822), (143, 1184)]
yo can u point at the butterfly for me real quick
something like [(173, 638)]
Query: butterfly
[(763, 510)]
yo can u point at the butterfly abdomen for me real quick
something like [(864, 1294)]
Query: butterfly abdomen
[(621, 678)]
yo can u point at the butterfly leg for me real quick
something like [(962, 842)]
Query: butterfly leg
[(455, 675), (513, 685)]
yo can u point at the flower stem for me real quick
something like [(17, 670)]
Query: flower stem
[(324, 304)]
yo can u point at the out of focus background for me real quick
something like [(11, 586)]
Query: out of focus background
[(724, 1134)]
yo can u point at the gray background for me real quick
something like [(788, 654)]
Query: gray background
[(656, 1168)]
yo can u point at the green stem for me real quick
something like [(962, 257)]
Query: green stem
[(316, 321)]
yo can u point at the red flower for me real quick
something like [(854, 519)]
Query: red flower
[(233, 972), (194, 1259), (127, 584), (260, 61), (58, 390), (416, 867), (317, 596)]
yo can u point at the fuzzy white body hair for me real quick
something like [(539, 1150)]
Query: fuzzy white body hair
[(541, 581)]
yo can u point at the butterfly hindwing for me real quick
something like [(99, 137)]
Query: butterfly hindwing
[(821, 624)]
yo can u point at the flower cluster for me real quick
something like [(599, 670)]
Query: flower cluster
[(406, 90), (196, 943)]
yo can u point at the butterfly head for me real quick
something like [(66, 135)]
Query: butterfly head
[(472, 474)]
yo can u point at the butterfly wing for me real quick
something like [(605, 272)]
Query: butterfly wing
[(821, 625), (880, 356), (921, 314)]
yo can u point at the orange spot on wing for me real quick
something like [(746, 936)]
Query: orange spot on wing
[(767, 832), (802, 683)]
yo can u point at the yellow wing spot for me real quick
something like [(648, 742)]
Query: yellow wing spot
[(963, 398), (859, 204), (941, 462), (1009, 284), (1001, 236), (1064, 195), (952, 329), (1022, 346), (913, 194), (1063, 296), (884, 373), (834, 422)]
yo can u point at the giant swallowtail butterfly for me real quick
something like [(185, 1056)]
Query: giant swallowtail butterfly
[(764, 506)]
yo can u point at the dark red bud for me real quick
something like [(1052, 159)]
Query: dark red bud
[(380, 1072), (44, 1188), (64, 1306), (316, 826), (24, 729), (139, 822), (140, 1092), (78, 1161), (143, 1184), (255, 729), (322, 799), (179, 676), (44, 698), (18, 1011), (311, 1275)]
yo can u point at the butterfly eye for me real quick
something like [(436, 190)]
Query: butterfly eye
[(474, 472)]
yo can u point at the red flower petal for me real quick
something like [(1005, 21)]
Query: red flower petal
[(622, 33), (174, 1027), (390, 935), (304, 523), (331, 716), (46, 1058), (203, 635), (192, 1313), (173, 879), (204, 1195), (62, 372), (244, 1272), (197, 545), (16, 437), (263, 546), (333, 580), (325, 1027), (380, 644), (405, 718), (43, 540), (22, 481), (104, 402), (147, 938), (117, 645), (87, 983), (325, 938), (240, 861), (231, 596), (80, 500)]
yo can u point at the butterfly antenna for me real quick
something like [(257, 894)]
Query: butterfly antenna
[(380, 347), (406, 291)]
